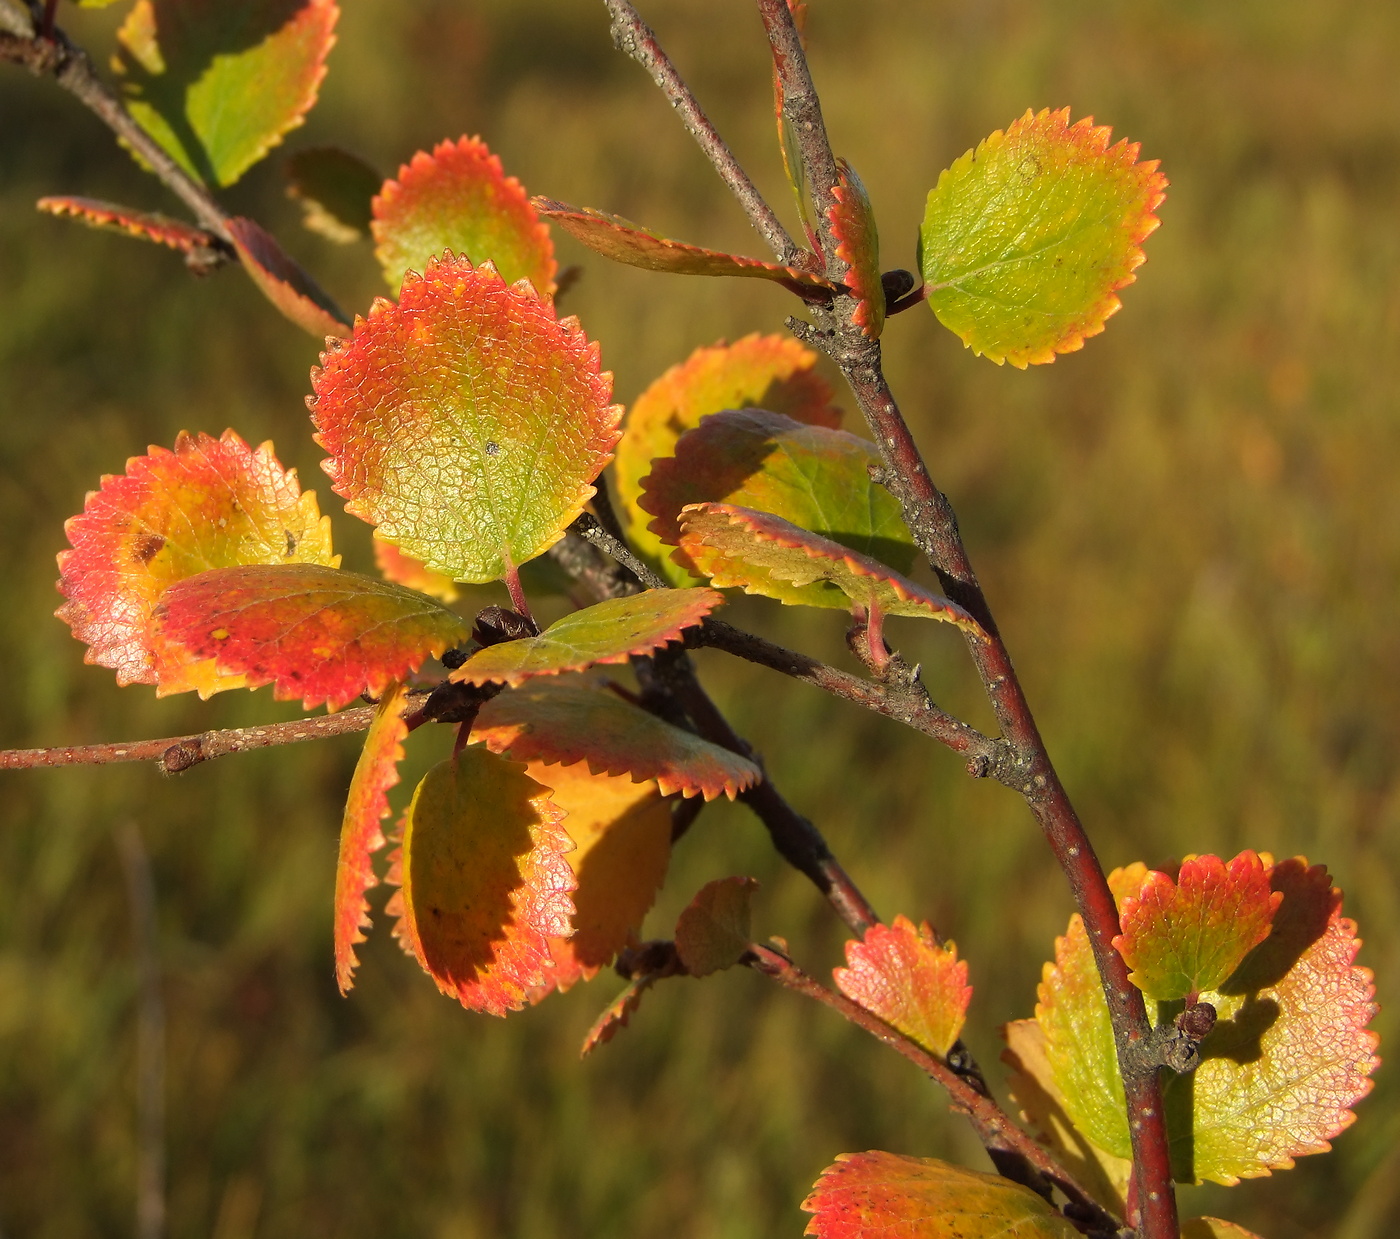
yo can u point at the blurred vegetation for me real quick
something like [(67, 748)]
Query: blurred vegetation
[(1190, 532)]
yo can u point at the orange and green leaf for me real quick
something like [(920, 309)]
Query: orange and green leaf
[(607, 632), (484, 881), (858, 246), (901, 973), (209, 503), (713, 931), (569, 721), (405, 570), (218, 84), (467, 422), (888, 1196), (1027, 240), (195, 243), (360, 834), (315, 634), (283, 281), (458, 199), (335, 189)]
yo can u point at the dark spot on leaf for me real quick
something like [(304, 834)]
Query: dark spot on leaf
[(493, 448), (147, 547), (291, 543)]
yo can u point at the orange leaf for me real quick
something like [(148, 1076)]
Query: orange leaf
[(858, 246), (201, 248), (405, 570)]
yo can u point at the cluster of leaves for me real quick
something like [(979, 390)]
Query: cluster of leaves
[(469, 425)]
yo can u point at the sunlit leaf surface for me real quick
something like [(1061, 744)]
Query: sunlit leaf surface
[(858, 246)]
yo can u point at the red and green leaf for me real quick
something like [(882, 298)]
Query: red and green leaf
[(713, 931), (607, 632), (484, 882), (216, 84), (195, 243), (901, 973), (1027, 240), (360, 833), (629, 243), (768, 372), (1183, 936), (889, 1196), (405, 570), (283, 281), (813, 476), (616, 1014), (570, 721), (467, 422), (210, 503), (858, 246), (335, 189), (458, 199), (767, 555), (315, 634)]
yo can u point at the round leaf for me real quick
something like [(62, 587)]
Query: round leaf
[(335, 189), (713, 931)]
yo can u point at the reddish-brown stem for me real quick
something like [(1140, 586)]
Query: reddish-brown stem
[(518, 601)]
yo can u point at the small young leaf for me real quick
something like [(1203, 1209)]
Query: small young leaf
[(283, 281), (198, 246), (888, 1196), (815, 477), (466, 421), (318, 634), (607, 632), (622, 845), (484, 881), (405, 570), (858, 246), (1189, 935), (713, 932), (615, 1015), (1027, 239), (210, 503), (769, 372), (626, 242), (335, 189), (904, 976), (460, 199), (219, 84), (1214, 1228), (766, 555), (360, 834), (570, 721)]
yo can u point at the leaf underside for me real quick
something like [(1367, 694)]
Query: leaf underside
[(858, 246), (283, 282), (335, 189), (145, 225), (713, 931)]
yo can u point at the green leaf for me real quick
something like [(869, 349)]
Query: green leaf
[(607, 632), (570, 720), (858, 246), (318, 634), (210, 503), (902, 974), (484, 883), (713, 930), (335, 189), (767, 555), (459, 200), (813, 476), (199, 247), (1027, 239), (218, 84), (769, 372), (466, 422), (284, 282), (887, 1196)]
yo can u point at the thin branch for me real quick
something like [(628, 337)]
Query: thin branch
[(635, 38), (590, 529), (994, 1126)]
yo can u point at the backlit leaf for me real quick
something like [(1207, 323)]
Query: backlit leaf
[(360, 834), (218, 84), (813, 476), (467, 422), (607, 632), (888, 1196), (1214, 1228), (616, 1014), (1027, 239), (484, 883), (315, 634), (460, 199), (334, 188), (626, 242), (570, 721), (768, 372), (283, 281), (902, 974), (766, 555), (210, 503), (194, 243), (405, 570), (1189, 935), (858, 246), (713, 931)]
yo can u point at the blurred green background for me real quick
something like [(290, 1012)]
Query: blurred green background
[(1190, 532)]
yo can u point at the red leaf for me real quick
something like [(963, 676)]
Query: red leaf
[(210, 503), (904, 976), (484, 881), (283, 281), (1189, 935), (201, 248), (713, 931), (459, 199), (858, 246), (569, 721), (314, 633), (360, 835), (616, 1014)]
